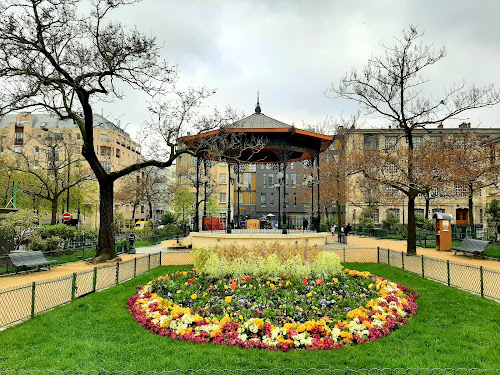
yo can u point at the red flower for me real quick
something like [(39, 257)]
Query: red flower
[(190, 281), (319, 282), (211, 287), (243, 279), (304, 282), (247, 278), (234, 286)]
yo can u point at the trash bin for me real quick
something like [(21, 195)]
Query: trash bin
[(443, 231), (131, 243)]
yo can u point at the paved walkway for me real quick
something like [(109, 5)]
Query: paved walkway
[(354, 242)]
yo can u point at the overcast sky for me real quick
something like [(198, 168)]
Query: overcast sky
[(291, 50)]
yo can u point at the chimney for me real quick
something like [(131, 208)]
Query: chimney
[(440, 126)]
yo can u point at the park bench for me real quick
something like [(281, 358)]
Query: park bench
[(28, 259), (470, 246)]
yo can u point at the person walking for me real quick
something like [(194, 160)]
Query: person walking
[(347, 229), (333, 229)]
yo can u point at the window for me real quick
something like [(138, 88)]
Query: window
[(391, 168), (272, 199), (393, 212), (264, 180), (287, 180), (193, 161), (18, 138), (250, 198), (107, 166), (247, 179), (53, 154), (104, 137), (391, 190), (390, 142), (180, 160), (105, 151), (37, 149), (294, 199), (222, 179), (481, 217), (287, 200), (461, 190), (291, 165), (117, 152), (435, 138), (222, 197), (142, 209), (127, 208), (437, 210), (376, 217), (371, 142), (78, 136), (419, 211), (268, 166), (263, 199), (417, 141), (223, 164), (58, 136), (240, 200), (270, 180), (293, 179), (252, 168)]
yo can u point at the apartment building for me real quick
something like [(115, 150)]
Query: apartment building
[(381, 200), (28, 132)]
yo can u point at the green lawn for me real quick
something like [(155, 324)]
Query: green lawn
[(453, 329)]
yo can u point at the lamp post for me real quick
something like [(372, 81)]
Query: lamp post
[(279, 178), (308, 182), (232, 176)]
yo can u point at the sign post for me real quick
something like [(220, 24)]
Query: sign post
[(66, 216)]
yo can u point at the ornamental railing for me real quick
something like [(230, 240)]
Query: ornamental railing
[(25, 301), (300, 371)]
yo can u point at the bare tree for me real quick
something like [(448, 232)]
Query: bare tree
[(391, 86), (51, 166), (56, 57)]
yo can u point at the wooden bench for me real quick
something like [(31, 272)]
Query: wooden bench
[(470, 246), (28, 259)]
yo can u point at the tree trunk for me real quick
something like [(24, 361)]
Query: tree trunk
[(471, 210), (150, 210), (106, 248), (412, 234), (53, 218), (427, 205)]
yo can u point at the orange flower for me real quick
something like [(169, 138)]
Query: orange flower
[(234, 286), (319, 282)]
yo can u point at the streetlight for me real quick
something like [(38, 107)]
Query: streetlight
[(279, 178), (67, 161), (232, 176), (308, 181)]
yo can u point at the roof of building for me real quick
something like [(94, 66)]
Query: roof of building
[(50, 121)]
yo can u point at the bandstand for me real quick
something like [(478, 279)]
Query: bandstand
[(261, 140)]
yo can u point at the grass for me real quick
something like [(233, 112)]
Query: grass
[(493, 250), (453, 329)]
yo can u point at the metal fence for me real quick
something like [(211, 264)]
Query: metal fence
[(23, 302), (275, 371), (478, 280)]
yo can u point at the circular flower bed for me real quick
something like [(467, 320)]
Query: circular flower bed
[(277, 313)]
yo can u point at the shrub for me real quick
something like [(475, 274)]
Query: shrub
[(266, 261), (53, 242), (38, 244)]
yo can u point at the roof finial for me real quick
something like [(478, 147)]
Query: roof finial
[(257, 109)]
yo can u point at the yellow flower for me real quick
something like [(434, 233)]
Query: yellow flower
[(178, 292), (336, 280), (184, 273), (370, 286), (225, 286), (229, 299), (271, 286), (194, 296), (186, 283), (309, 294), (204, 294)]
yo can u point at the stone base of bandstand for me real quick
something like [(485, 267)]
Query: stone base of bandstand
[(196, 240)]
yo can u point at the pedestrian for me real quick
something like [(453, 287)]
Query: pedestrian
[(347, 229), (333, 229)]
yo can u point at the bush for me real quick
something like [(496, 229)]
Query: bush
[(266, 261), (53, 242), (366, 222), (168, 218), (62, 231), (38, 244)]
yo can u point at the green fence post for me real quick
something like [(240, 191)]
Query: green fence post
[(448, 270), (73, 286), (388, 257), (482, 280), (33, 286), (402, 260), (378, 254), (160, 257), (117, 271), (149, 262), (423, 266), (135, 267), (94, 282)]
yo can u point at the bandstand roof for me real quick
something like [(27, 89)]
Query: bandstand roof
[(277, 136)]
